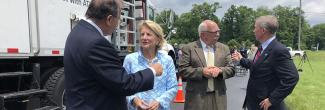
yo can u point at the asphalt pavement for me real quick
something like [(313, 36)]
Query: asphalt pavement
[(236, 91)]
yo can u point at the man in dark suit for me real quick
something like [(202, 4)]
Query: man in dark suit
[(94, 76), (273, 74), (206, 64)]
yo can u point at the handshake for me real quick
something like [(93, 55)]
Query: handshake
[(211, 71), (158, 68)]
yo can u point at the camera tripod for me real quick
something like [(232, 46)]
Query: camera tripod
[(303, 59)]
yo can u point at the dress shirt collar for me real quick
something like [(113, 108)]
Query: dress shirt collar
[(204, 46), (95, 25), (108, 37), (267, 42)]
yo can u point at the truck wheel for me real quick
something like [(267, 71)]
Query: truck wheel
[(46, 74), (55, 87), (298, 54)]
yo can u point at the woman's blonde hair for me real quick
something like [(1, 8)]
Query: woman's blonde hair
[(156, 29)]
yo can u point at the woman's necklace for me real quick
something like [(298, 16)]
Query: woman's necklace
[(149, 61)]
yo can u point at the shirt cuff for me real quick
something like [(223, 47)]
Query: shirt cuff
[(153, 71)]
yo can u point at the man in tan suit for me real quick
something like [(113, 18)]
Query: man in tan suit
[(206, 64)]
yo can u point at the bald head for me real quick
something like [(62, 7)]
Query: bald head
[(209, 32), (100, 9), (208, 25), (269, 22)]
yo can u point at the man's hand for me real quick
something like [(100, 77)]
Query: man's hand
[(236, 56), (211, 71), (139, 104), (158, 68), (207, 71), (154, 105), (216, 71), (265, 104)]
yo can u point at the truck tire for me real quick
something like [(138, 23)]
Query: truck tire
[(55, 87), (297, 54), (46, 75)]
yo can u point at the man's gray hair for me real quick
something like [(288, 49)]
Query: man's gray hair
[(269, 23), (202, 27)]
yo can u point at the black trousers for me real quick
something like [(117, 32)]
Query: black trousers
[(256, 106)]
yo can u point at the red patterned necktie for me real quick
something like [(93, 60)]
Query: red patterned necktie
[(258, 54)]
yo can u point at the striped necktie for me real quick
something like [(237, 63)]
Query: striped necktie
[(210, 62), (258, 54)]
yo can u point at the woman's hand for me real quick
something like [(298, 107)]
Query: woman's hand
[(140, 104), (154, 105)]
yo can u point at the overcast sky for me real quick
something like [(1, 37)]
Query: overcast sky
[(315, 9)]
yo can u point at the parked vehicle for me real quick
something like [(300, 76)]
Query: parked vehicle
[(295, 52), (33, 34)]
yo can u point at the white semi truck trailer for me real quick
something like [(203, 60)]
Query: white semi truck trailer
[(32, 41)]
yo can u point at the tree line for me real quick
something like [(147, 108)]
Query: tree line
[(237, 25)]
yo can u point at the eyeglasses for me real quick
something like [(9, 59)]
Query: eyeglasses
[(216, 33)]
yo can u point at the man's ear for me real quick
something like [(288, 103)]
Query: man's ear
[(202, 33), (265, 31), (109, 19)]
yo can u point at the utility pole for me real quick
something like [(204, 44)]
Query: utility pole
[(299, 33)]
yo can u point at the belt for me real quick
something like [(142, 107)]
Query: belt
[(210, 92)]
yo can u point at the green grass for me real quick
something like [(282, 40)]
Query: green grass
[(309, 93)]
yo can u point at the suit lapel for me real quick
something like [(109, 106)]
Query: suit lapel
[(266, 53), (199, 51), (216, 56)]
